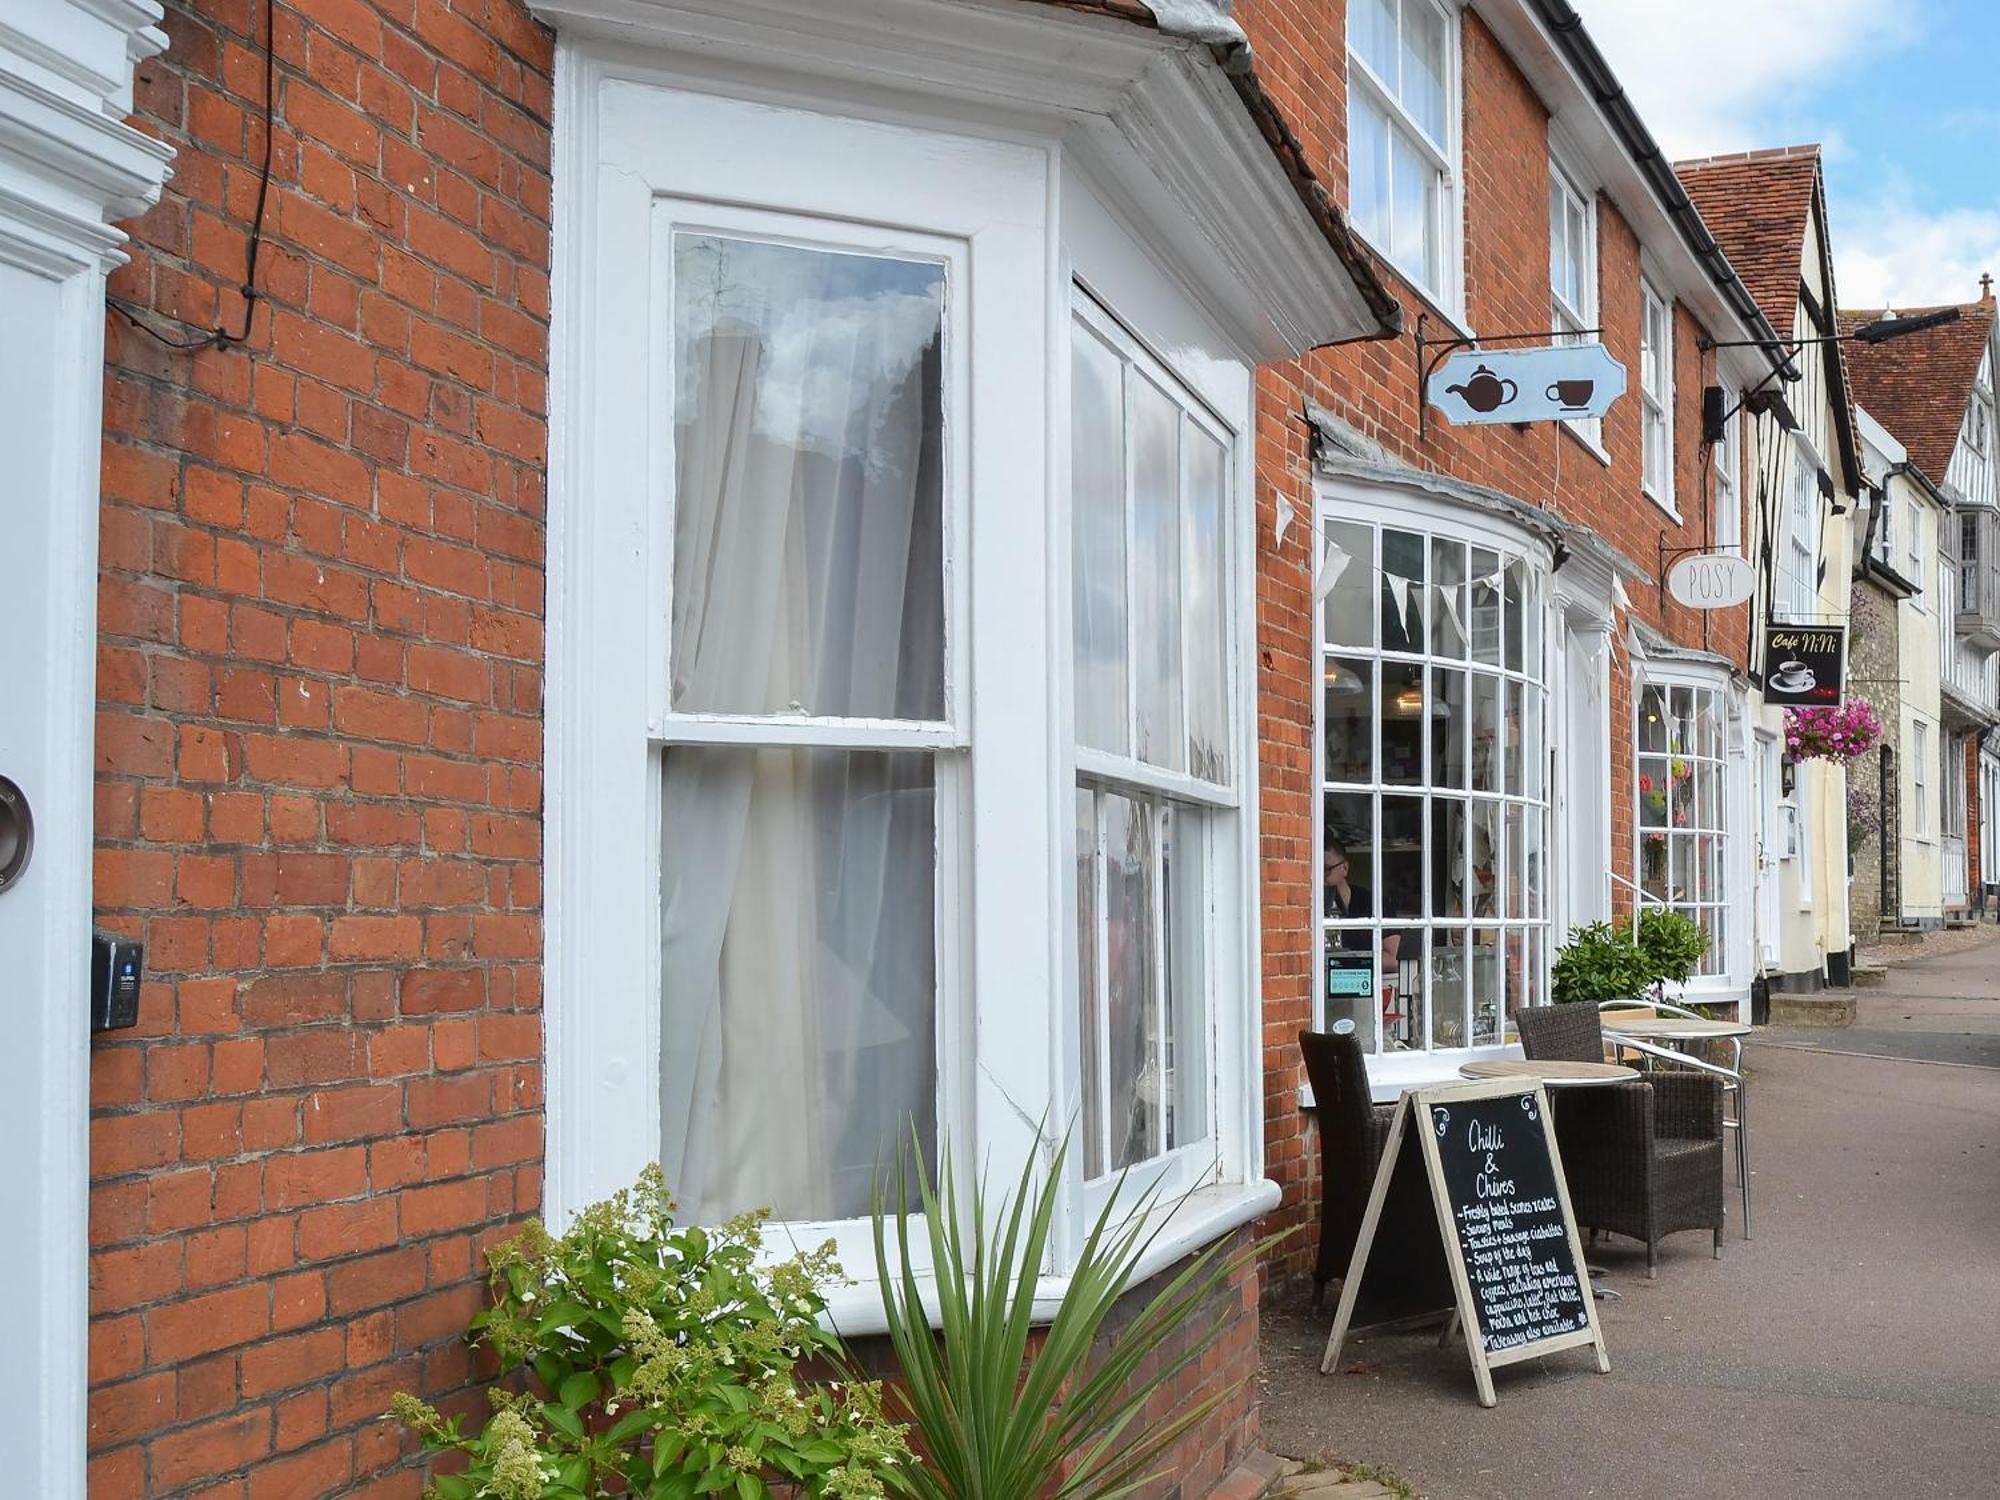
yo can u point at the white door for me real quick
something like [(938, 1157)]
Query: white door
[(1582, 774), (65, 157), (1769, 847)]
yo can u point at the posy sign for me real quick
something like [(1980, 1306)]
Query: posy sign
[(1803, 664)]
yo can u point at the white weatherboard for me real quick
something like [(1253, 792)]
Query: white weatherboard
[(1552, 383)]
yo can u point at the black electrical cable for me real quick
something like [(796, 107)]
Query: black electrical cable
[(222, 338)]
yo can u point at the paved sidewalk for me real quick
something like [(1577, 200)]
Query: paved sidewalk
[(1852, 1349)]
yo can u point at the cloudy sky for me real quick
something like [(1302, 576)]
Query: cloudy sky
[(1899, 92)]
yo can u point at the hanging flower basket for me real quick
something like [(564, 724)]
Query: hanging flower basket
[(1838, 733)]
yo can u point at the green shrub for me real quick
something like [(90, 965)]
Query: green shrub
[(662, 1363), (1601, 962)]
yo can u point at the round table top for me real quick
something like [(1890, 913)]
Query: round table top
[(1554, 1071), (1674, 1028)]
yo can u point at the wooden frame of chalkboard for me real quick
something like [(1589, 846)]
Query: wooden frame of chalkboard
[(1495, 1264)]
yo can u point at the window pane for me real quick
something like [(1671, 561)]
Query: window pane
[(1447, 857), (1132, 937), (1488, 986), (1403, 723), (1347, 897), (1512, 599), (1655, 778), (1402, 857), (1534, 759), (1484, 891), (1371, 32), (1486, 732), (1402, 591), (1097, 523), (1450, 727), (1411, 218), (808, 572), (1517, 861), (1447, 597), (1652, 720), (1513, 730), (1485, 606), (1368, 166), (1532, 871), (1424, 67), (797, 974), (1205, 549), (1090, 1007), (1350, 719), (1186, 902), (1450, 966), (1347, 577), (1156, 572)]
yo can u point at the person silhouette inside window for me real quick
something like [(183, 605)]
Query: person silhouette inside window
[(1345, 899)]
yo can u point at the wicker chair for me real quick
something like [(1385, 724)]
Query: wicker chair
[(1352, 1133), (1642, 1159)]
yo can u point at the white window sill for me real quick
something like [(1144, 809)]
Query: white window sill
[(1206, 1215), (1589, 445), (1666, 506)]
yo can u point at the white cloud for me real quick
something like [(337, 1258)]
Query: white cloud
[(1774, 80), (1893, 255), (1716, 75)]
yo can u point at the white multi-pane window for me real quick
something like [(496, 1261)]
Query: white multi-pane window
[(1433, 775), (1729, 476), (1402, 58), (1885, 527), (1913, 536), (1798, 562), (1968, 560), (1682, 796), (1656, 395), (805, 759), (1572, 268), (1150, 589), (1920, 779)]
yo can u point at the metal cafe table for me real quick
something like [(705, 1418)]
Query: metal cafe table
[(1669, 1037)]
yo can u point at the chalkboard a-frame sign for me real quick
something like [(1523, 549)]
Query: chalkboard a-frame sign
[(1470, 1215)]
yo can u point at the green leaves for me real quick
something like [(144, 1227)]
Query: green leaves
[(664, 1365), (1000, 1418), (1601, 962)]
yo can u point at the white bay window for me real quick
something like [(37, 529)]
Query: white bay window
[(1434, 760), (902, 768)]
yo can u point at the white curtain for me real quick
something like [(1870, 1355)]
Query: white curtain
[(798, 978)]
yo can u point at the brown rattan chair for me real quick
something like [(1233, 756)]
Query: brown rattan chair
[(1642, 1159), (1352, 1133)]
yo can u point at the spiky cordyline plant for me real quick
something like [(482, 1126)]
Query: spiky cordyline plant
[(997, 1420)]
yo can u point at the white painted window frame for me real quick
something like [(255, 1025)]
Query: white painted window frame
[(1400, 507), (1798, 567), (1015, 1060), (1728, 523), (1447, 161), (1920, 756), (1568, 187), (1656, 400), (1733, 767)]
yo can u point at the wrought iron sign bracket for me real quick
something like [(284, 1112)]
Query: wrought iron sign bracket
[(1433, 352), (1660, 567)]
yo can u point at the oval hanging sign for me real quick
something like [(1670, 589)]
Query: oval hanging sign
[(1712, 580)]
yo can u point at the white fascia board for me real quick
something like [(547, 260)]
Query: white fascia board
[(1152, 117), (1580, 125), (1879, 443)]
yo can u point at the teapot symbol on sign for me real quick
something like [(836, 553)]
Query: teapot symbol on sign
[(1483, 392)]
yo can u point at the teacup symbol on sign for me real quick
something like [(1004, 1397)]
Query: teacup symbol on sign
[(1574, 394), (1483, 391)]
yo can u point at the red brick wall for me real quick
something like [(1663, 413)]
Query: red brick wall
[(318, 743), (1300, 50)]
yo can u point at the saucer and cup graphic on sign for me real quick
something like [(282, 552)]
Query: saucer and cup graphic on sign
[(1794, 677), (1574, 395)]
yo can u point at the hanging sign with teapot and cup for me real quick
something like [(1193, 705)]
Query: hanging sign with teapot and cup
[(1557, 382)]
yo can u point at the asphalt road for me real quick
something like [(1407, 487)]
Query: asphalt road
[(1852, 1349)]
